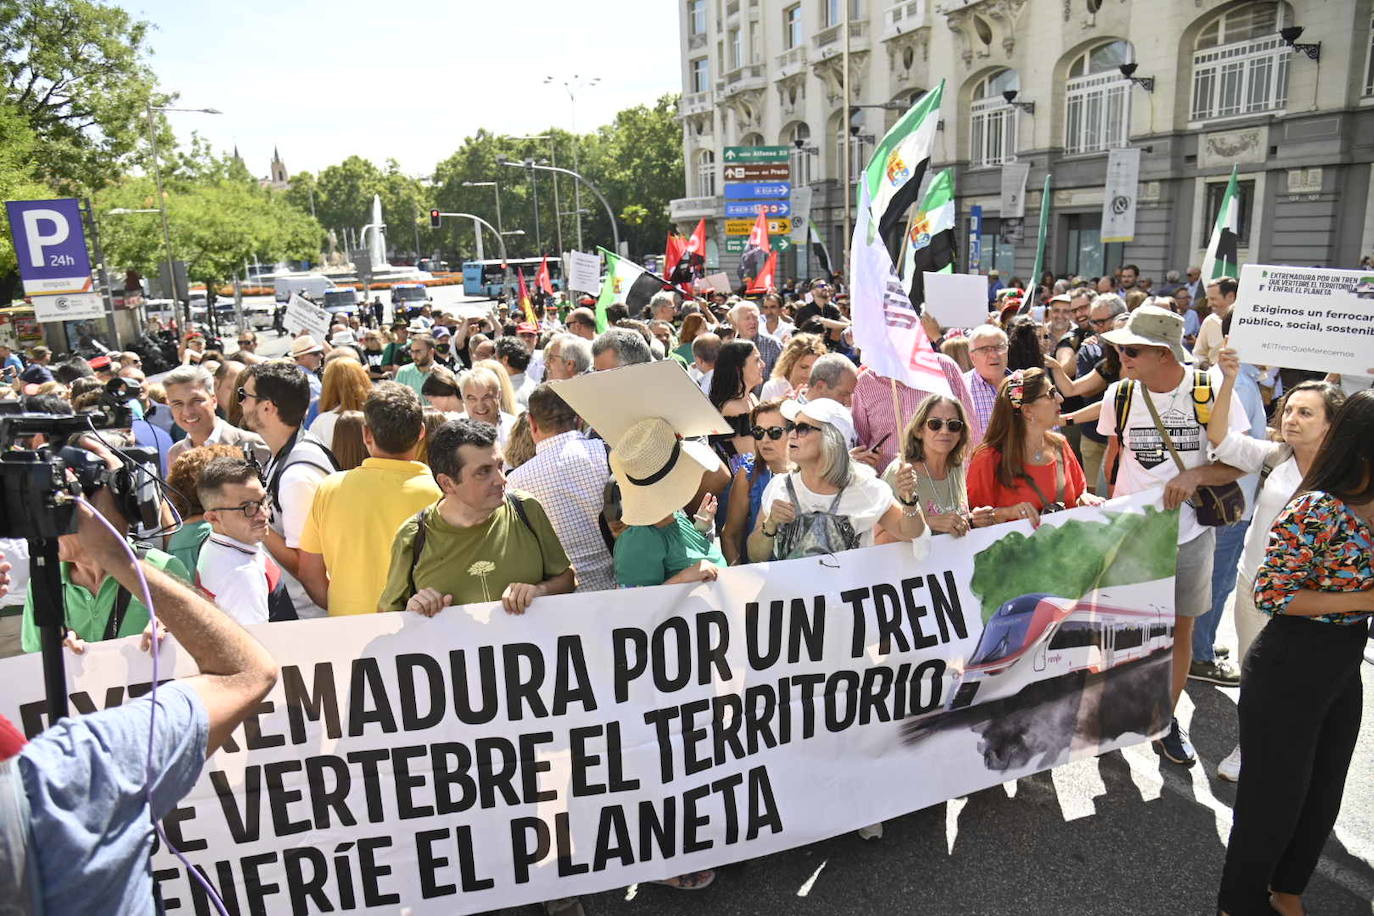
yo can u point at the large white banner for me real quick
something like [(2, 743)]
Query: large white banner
[(1305, 318), (479, 760), (1119, 198)]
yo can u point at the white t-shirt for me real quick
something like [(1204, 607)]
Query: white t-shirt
[(323, 427), (1145, 460), (1248, 454), (234, 575), (865, 499), (295, 495)]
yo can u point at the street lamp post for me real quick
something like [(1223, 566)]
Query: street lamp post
[(500, 241), (162, 201), (528, 164), (496, 186), (557, 207), (571, 86)]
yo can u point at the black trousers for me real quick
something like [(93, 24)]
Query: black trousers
[(1300, 704)]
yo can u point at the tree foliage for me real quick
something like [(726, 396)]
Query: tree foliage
[(73, 70)]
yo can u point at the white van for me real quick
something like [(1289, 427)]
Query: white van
[(312, 285)]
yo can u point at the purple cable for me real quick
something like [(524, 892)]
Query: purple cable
[(147, 598)]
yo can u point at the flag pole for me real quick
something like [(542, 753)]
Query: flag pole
[(1028, 300), (897, 417)]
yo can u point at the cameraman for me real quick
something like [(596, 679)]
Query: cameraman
[(78, 837)]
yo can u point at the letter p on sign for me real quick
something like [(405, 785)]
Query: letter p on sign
[(50, 243)]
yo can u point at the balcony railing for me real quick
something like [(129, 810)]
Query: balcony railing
[(901, 18), (830, 41), (696, 102), (750, 76), (693, 207), (790, 62)]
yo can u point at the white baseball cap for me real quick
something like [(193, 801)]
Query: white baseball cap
[(823, 410)]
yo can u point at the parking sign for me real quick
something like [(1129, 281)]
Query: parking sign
[(50, 243)]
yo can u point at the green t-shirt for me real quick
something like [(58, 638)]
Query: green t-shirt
[(396, 354), (650, 555), (413, 378), (88, 613), (477, 563), (186, 542)]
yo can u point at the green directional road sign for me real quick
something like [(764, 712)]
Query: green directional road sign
[(746, 154), (779, 243)]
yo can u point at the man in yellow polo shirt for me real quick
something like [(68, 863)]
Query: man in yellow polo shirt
[(347, 537)]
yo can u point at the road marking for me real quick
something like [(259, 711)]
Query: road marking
[(811, 881)]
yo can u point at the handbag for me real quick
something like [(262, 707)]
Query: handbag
[(1216, 505), (814, 534)]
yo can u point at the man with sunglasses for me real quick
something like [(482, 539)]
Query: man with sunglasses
[(1154, 359), (234, 570)]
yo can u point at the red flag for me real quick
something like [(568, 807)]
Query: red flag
[(764, 282), (758, 236), (542, 278), (525, 302), (673, 251)]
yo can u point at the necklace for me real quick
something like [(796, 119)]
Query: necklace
[(951, 505)]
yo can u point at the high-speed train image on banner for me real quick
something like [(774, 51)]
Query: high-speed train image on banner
[(1040, 637)]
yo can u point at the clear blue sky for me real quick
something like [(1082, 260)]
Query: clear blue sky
[(404, 79)]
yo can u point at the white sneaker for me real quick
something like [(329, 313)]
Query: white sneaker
[(1229, 769), (871, 832)]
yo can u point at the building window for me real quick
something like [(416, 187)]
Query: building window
[(1212, 203), (736, 46), (1240, 63), (832, 11), (701, 74), (696, 17), (706, 173), (1097, 100), (1369, 63), (992, 122), (802, 152), (792, 26)]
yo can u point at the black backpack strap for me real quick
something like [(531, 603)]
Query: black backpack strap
[(1122, 403), (417, 546), (518, 505), (117, 613)]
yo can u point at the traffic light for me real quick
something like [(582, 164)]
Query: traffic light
[(435, 217)]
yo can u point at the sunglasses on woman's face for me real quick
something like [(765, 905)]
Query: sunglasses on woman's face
[(801, 429), (772, 432), (935, 424)]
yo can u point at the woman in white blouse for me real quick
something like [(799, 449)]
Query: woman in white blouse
[(1304, 416)]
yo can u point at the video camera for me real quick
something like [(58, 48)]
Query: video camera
[(39, 486)]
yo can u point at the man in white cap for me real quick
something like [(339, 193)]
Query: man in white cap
[(1160, 395)]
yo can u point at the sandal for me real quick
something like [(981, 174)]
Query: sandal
[(692, 881)]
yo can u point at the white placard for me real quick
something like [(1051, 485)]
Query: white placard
[(1305, 318), (801, 212), (1118, 201), (304, 315), (584, 272), (1014, 175), (957, 300), (68, 307), (719, 282)]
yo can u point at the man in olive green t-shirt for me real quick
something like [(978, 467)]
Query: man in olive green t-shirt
[(480, 543)]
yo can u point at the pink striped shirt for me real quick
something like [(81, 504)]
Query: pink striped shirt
[(872, 408)]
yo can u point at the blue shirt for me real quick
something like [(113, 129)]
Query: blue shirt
[(90, 821)]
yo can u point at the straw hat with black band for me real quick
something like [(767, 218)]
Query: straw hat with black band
[(658, 471)]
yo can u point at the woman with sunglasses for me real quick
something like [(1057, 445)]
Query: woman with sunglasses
[(1301, 699), (770, 433), (1023, 467), (931, 471), (738, 373)]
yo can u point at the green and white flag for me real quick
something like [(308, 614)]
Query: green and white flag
[(1032, 298), (1223, 249), (929, 245), (625, 282), (893, 176)]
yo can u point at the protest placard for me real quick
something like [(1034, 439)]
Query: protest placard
[(480, 760), (1305, 318), (304, 315), (956, 300), (584, 272)]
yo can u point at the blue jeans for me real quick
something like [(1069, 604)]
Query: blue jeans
[(1230, 543)]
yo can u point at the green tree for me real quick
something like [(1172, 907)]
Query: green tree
[(73, 70), (17, 182), (636, 161)]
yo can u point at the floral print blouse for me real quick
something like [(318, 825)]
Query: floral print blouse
[(1318, 543)]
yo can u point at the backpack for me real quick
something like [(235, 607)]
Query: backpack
[(814, 534), (1202, 400), (417, 546), (326, 461)]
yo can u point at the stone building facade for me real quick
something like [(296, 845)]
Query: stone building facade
[(1214, 83)]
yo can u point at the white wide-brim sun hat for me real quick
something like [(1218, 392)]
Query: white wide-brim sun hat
[(658, 471)]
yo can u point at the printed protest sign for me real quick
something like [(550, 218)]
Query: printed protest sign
[(480, 760), (584, 272), (1305, 318), (304, 315)]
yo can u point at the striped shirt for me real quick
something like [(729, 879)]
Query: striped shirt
[(872, 408), (568, 476), (984, 396)]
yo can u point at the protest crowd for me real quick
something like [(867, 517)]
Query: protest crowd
[(429, 462)]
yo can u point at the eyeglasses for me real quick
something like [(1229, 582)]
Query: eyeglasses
[(245, 394), (245, 343), (802, 429), (1099, 322), (249, 509), (935, 424), (772, 432), (991, 348), (1136, 352)]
